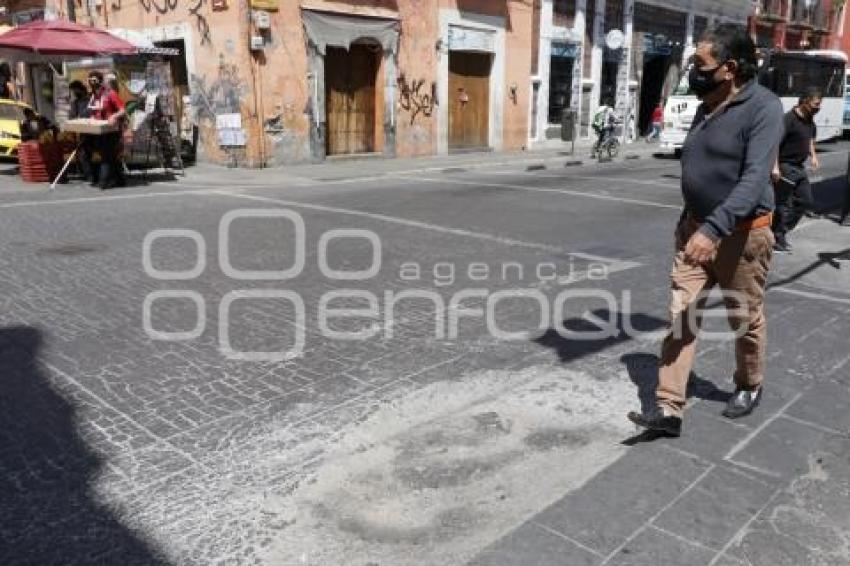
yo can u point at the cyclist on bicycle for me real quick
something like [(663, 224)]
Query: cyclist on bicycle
[(603, 124)]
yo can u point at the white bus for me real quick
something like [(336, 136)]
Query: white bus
[(786, 73), (790, 73), (679, 112)]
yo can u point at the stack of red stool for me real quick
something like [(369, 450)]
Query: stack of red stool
[(39, 163)]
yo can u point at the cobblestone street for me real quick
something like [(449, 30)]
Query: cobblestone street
[(188, 377)]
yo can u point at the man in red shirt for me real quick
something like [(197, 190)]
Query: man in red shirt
[(106, 105), (657, 119)]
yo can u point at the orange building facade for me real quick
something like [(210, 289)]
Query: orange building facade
[(316, 79)]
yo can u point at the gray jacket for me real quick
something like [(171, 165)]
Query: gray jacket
[(727, 159)]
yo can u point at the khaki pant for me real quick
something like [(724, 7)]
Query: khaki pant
[(740, 268)]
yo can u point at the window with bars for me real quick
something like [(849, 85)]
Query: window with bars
[(700, 27), (564, 13), (614, 15), (590, 26)]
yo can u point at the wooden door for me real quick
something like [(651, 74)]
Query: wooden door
[(350, 78), (469, 100)]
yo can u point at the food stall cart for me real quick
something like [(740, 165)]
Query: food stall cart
[(60, 41)]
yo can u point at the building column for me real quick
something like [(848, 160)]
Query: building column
[(624, 75), (579, 28), (544, 68), (690, 47), (596, 56)]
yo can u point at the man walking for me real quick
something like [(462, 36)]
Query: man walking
[(723, 236), (793, 190)]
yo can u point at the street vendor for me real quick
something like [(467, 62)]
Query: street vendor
[(80, 109), (79, 100), (105, 104)]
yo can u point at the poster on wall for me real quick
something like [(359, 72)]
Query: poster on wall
[(270, 5)]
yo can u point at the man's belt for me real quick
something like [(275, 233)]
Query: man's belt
[(763, 221)]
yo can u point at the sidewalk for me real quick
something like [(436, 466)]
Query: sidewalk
[(351, 168)]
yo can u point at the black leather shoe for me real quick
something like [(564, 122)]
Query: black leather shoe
[(782, 246), (742, 403), (658, 421)]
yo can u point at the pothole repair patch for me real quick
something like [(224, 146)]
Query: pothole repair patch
[(436, 475)]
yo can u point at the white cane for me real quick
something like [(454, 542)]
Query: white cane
[(64, 168)]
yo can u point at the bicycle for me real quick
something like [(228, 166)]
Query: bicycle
[(610, 146)]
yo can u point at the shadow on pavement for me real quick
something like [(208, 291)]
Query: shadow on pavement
[(48, 513), (572, 348), (824, 258), (641, 366), (832, 196)]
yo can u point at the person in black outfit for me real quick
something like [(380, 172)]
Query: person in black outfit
[(793, 189), (80, 109)]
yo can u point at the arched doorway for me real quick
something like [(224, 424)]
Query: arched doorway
[(351, 94)]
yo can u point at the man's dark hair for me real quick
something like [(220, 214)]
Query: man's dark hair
[(810, 93), (76, 85), (98, 75), (730, 42)]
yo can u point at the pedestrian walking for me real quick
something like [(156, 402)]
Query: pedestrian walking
[(723, 236), (793, 189), (657, 121)]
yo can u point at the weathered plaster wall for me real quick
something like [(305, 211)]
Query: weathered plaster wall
[(273, 91), (222, 78)]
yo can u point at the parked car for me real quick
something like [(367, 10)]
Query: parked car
[(11, 116)]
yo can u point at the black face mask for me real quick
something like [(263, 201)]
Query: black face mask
[(813, 111), (703, 82)]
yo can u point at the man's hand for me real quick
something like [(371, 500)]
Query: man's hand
[(700, 249), (815, 163)]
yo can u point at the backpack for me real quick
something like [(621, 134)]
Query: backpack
[(599, 118)]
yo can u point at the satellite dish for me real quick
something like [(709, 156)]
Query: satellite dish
[(615, 39)]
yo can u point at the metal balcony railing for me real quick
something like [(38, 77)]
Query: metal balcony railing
[(773, 10), (822, 21), (803, 14)]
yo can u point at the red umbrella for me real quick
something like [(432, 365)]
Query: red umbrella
[(60, 39)]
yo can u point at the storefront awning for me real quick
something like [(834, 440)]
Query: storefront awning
[(340, 30)]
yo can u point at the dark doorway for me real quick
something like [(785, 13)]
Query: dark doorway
[(652, 83), (350, 98), (608, 84), (469, 100), (560, 87)]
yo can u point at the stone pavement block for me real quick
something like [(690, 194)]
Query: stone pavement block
[(706, 435), (230, 433), (775, 397), (783, 449), (809, 523), (825, 404), (716, 508), (532, 544), (619, 500), (655, 548), (727, 560)]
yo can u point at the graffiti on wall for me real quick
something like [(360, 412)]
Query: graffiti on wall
[(201, 22), (167, 6), (222, 95), (413, 100)]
